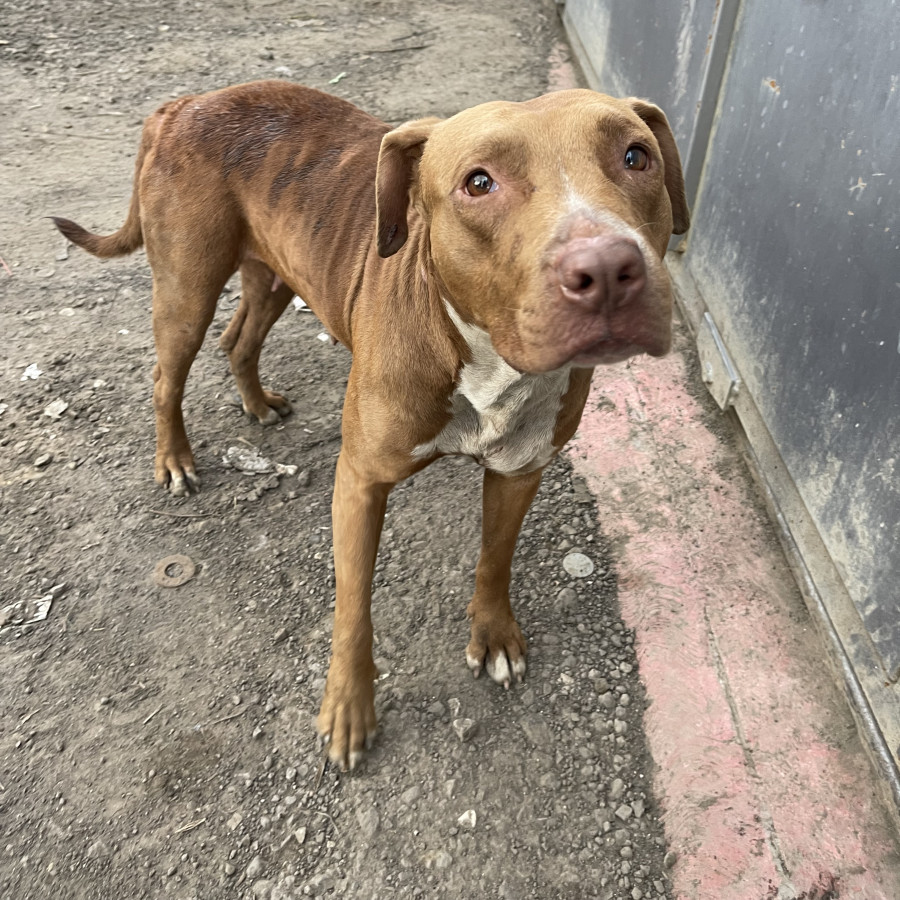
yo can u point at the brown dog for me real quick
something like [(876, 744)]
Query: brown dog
[(478, 268)]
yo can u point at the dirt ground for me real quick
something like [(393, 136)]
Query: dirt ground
[(157, 741)]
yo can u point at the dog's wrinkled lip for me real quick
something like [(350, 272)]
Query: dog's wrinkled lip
[(604, 352), (586, 353)]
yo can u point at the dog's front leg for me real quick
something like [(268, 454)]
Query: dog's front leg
[(496, 642), (347, 717)]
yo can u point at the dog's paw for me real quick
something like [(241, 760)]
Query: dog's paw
[(177, 474), (498, 648), (272, 410), (346, 722)]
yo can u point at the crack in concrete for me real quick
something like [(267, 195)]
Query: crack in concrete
[(786, 890)]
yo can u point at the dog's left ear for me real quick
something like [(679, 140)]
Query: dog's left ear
[(656, 121), (398, 158)]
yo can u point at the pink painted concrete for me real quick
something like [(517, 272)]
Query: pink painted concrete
[(764, 787)]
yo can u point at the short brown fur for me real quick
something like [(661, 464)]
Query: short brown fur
[(374, 228)]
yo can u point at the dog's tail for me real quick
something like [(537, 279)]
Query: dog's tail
[(130, 236), (126, 240)]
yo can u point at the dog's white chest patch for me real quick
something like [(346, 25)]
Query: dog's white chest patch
[(501, 418)]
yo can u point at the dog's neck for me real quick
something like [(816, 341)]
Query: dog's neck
[(502, 418)]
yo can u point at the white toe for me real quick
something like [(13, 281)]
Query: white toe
[(518, 668), (498, 669)]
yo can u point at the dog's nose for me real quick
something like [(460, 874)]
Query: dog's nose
[(603, 271)]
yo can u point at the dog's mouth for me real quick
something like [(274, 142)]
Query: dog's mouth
[(605, 352), (586, 343)]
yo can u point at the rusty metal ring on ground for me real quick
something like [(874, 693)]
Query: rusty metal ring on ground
[(164, 579)]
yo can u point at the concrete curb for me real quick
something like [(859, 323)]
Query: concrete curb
[(765, 788)]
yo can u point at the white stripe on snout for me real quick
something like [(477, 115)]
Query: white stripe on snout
[(574, 206)]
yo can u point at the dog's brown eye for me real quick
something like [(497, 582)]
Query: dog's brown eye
[(637, 158), (479, 183)]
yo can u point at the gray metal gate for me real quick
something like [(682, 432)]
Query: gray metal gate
[(788, 116)]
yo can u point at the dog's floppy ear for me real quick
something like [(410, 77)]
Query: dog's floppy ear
[(400, 152), (656, 121)]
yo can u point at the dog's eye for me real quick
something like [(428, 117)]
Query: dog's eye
[(637, 158), (479, 183)]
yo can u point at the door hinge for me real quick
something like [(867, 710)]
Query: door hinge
[(716, 367)]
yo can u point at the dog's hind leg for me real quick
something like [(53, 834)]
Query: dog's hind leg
[(263, 300), (184, 302)]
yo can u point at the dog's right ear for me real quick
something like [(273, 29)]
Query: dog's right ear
[(398, 158)]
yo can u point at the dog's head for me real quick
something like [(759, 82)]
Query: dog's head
[(547, 222)]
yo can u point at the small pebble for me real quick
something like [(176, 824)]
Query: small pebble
[(369, 821), (464, 728), (410, 795), (55, 409), (578, 564), (441, 859), (254, 870), (616, 789)]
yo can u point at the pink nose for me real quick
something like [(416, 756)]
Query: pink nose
[(601, 272)]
